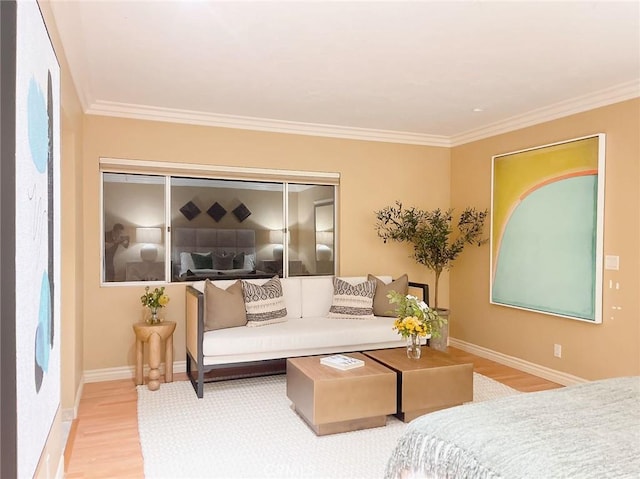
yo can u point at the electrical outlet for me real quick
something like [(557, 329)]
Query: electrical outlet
[(557, 350)]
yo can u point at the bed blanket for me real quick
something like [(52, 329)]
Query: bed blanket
[(590, 430)]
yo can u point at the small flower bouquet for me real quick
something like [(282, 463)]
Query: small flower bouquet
[(414, 316), (154, 300)]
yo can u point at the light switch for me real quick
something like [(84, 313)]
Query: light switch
[(612, 262)]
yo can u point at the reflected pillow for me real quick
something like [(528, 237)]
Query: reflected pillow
[(381, 304), (249, 262), (264, 303), (224, 308), (223, 261), (352, 301), (238, 261), (202, 260), (186, 262)]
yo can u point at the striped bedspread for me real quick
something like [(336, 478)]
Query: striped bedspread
[(589, 430)]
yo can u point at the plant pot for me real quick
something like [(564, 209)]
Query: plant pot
[(441, 343)]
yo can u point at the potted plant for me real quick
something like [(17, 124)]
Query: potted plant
[(430, 233)]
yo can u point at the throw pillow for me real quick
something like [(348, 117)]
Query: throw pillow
[(249, 262), (381, 304), (352, 301), (238, 261), (224, 308), (202, 260), (223, 261), (186, 262), (264, 303)]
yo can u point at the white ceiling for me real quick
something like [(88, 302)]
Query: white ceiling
[(390, 71)]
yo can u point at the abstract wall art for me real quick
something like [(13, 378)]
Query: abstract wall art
[(37, 259), (547, 228), (190, 210), (216, 211)]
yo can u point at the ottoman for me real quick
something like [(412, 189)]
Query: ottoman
[(435, 381), (332, 401)]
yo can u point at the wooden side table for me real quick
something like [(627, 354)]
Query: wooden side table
[(154, 334)]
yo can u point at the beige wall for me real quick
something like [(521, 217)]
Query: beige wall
[(589, 351), (373, 175)]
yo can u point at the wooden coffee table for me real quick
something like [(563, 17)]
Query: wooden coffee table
[(435, 381), (332, 401)]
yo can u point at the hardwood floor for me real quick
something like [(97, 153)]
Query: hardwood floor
[(104, 440)]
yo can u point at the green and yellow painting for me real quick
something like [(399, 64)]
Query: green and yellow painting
[(545, 229)]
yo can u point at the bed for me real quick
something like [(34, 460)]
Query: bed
[(200, 253), (590, 430)]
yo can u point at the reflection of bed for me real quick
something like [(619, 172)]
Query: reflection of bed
[(232, 253), (588, 431)]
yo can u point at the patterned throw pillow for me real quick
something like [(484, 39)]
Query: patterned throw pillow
[(381, 304), (352, 301), (264, 303)]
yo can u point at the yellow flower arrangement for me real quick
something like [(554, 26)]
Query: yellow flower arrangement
[(410, 325), (414, 316), (154, 299)]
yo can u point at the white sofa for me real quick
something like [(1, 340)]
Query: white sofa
[(306, 332)]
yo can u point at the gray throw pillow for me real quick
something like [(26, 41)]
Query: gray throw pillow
[(238, 261), (223, 261), (202, 260), (224, 308), (381, 304)]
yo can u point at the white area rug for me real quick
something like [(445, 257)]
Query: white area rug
[(246, 429)]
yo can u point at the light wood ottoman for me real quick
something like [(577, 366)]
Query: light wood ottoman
[(435, 381), (332, 401)]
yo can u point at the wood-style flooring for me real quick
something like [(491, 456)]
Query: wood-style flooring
[(104, 441)]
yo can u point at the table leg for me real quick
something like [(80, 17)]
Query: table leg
[(139, 359), (154, 361), (168, 360)]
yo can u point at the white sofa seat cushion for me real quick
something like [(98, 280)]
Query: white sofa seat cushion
[(299, 335)]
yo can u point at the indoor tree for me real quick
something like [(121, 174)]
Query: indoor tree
[(430, 233)]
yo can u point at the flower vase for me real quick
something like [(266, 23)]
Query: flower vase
[(154, 318), (414, 350)]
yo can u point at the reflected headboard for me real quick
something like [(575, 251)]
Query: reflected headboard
[(203, 240)]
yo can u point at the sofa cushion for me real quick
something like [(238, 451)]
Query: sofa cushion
[(297, 337), (264, 303), (224, 308), (352, 301), (381, 304)]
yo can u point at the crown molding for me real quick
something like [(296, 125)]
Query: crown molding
[(608, 96), (143, 112), (618, 93)]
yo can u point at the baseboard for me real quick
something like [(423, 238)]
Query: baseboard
[(517, 363), (126, 372), (70, 414), (60, 468)]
